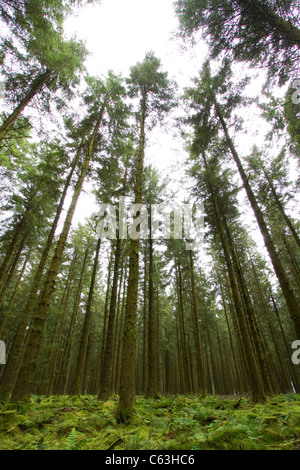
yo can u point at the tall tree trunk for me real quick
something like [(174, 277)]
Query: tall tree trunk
[(38, 83), (254, 374), (291, 300), (127, 380), (13, 363), (23, 383)]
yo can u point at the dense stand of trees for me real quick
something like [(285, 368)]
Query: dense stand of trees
[(81, 314)]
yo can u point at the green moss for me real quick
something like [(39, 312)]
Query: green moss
[(180, 422)]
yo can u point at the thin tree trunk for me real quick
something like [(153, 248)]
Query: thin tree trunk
[(282, 210), (239, 378), (105, 319), (59, 328), (120, 335), (197, 336), (8, 310), (71, 332), (117, 332), (254, 375), (19, 236), (183, 338), (106, 380), (152, 386), (38, 83), (145, 325), (255, 332), (77, 385)]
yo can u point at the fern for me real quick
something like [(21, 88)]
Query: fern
[(72, 441)]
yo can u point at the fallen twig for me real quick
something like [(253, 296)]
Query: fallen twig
[(116, 443)]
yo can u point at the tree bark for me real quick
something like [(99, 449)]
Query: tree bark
[(38, 83)]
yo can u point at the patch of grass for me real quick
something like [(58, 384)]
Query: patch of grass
[(180, 422)]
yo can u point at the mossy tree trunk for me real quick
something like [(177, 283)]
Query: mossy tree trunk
[(127, 379)]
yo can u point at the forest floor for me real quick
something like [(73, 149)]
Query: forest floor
[(170, 423)]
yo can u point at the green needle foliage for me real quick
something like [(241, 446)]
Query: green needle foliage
[(260, 32)]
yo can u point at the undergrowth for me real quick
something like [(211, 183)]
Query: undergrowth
[(178, 423)]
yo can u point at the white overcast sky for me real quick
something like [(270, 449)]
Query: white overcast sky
[(118, 33)]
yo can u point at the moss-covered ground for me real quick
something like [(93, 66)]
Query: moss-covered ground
[(179, 422)]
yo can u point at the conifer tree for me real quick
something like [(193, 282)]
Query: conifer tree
[(155, 95), (101, 98), (205, 99), (259, 32)]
